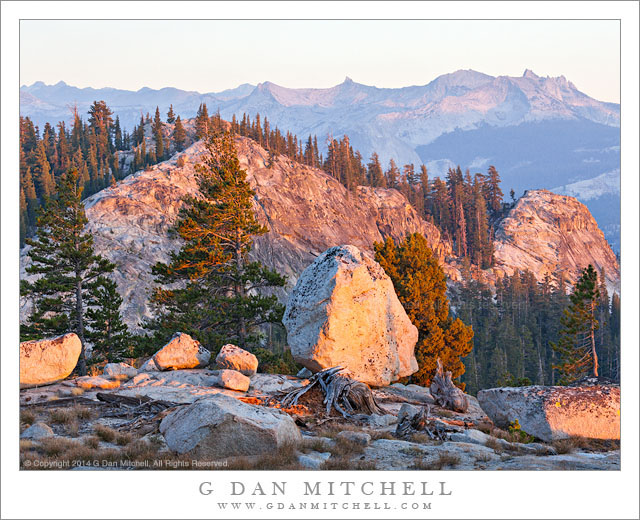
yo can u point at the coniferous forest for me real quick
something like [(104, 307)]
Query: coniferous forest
[(515, 326)]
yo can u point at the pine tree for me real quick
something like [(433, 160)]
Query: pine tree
[(421, 287), (576, 347), (202, 122), (179, 135), (171, 117), (106, 330), (219, 301), (118, 135), (62, 253)]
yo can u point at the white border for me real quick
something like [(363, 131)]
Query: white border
[(174, 494)]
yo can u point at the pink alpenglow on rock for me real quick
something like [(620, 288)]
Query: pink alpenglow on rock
[(233, 380), (48, 361), (236, 358), (182, 352), (556, 412), (88, 382), (344, 312)]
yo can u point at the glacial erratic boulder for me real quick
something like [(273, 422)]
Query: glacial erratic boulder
[(556, 412), (221, 426), (232, 357), (47, 361), (182, 351), (344, 312)]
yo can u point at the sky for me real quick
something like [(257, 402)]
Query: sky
[(213, 55)]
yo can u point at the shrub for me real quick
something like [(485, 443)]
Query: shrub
[(105, 433)]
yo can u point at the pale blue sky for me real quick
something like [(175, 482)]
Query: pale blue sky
[(210, 56)]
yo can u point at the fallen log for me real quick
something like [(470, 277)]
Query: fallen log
[(341, 392)]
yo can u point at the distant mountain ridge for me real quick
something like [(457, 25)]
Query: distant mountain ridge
[(540, 132)]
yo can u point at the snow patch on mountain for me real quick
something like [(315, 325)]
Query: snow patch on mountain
[(605, 184)]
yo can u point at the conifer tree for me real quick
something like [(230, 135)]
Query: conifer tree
[(179, 135), (107, 332), (202, 122), (576, 347), (62, 253), (219, 301), (421, 287), (171, 117)]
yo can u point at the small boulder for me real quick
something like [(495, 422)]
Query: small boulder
[(120, 371), (37, 431), (556, 412), (89, 382), (221, 426), (140, 378), (344, 312), (408, 410), (313, 460), (232, 380), (235, 358), (355, 437), (182, 351), (48, 361)]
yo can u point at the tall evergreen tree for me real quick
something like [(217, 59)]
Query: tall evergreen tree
[(62, 253), (107, 332), (421, 287), (179, 135), (576, 347), (219, 301)]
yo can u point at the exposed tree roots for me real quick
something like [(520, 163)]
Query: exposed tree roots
[(346, 395), (445, 393)]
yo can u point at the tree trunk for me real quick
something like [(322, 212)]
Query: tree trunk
[(240, 290), (593, 343), (82, 361)]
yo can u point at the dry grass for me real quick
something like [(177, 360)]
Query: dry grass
[(314, 445), (27, 417), (446, 460), (492, 443), (55, 446), (412, 450), (419, 438), (83, 412), (92, 441), (331, 430), (105, 433), (483, 457), (123, 439), (72, 428), (62, 416), (76, 392), (563, 446), (376, 435), (345, 447)]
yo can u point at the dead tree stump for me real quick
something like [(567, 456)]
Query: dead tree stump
[(445, 393)]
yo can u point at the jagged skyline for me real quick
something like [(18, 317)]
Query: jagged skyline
[(315, 53)]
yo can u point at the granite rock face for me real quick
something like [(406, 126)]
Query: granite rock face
[(556, 412), (47, 361), (552, 234), (344, 312)]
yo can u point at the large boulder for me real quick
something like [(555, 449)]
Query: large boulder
[(221, 426), (556, 412), (235, 358), (182, 351), (48, 361), (344, 312)]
